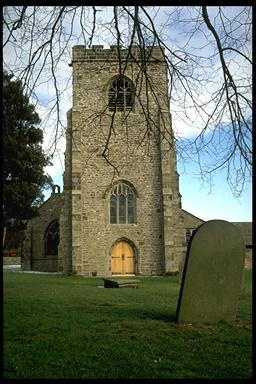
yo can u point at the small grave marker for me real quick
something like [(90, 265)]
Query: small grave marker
[(119, 283), (212, 275)]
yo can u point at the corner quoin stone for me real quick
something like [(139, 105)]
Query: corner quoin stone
[(212, 277)]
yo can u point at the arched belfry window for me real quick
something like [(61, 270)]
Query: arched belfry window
[(52, 238), (122, 204), (121, 94)]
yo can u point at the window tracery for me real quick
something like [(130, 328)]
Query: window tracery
[(120, 95), (122, 204)]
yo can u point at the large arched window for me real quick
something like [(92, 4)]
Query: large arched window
[(52, 239), (121, 94), (122, 204)]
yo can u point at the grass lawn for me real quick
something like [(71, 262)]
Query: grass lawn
[(58, 326)]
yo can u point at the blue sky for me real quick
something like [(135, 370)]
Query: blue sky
[(197, 197), (215, 197), (219, 203)]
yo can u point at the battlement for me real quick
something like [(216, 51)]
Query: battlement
[(98, 53)]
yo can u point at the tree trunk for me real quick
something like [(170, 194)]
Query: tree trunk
[(4, 235)]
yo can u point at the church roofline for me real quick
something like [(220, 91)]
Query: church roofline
[(191, 214)]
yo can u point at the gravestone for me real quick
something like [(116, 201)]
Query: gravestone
[(117, 283), (212, 275)]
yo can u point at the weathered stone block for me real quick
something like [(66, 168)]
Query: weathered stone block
[(212, 276)]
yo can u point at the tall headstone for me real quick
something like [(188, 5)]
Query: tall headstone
[(212, 275)]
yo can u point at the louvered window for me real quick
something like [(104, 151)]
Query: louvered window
[(120, 95)]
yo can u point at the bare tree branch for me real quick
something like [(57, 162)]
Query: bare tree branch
[(209, 70)]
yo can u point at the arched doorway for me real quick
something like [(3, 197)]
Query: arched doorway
[(122, 258)]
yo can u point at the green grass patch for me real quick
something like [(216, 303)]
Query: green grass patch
[(58, 326)]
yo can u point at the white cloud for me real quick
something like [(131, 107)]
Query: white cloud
[(187, 121)]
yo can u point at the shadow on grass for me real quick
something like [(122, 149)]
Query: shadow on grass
[(169, 317)]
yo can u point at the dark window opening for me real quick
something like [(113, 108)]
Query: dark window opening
[(120, 95), (52, 239), (122, 209), (189, 233), (113, 204)]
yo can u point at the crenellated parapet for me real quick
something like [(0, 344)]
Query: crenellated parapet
[(134, 53)]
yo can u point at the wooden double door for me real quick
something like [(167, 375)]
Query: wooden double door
[(122, 259)]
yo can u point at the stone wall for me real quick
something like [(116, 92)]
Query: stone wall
[(246, 230), (190, 220), (65, 245), (33, 249), (140, 151), (248, 258), (11, 260)]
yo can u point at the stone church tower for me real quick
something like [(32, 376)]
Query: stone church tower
[(121, 212)]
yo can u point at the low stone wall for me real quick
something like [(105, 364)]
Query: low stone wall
[(11, 260), (248, 258)]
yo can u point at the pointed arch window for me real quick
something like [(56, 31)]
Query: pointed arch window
[(52, 239), (121, 94), (122, 204)]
